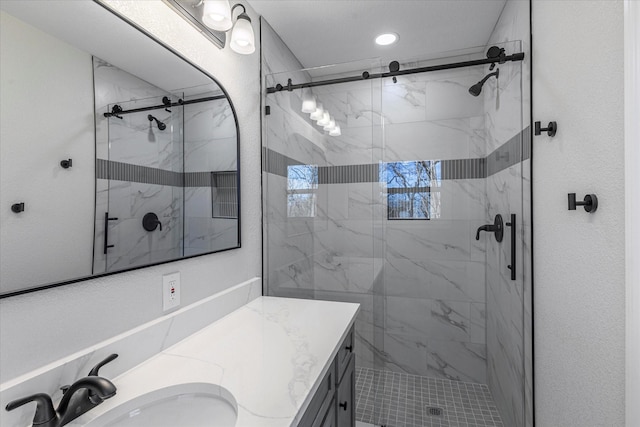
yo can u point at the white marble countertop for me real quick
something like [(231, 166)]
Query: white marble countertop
[(270, 354)]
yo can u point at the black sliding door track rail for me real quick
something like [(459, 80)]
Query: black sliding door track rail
[(116, 113), (366, 76)]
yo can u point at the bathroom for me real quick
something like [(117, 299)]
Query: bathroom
[(578, 304)]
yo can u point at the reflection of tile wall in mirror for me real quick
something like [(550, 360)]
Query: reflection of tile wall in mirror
[(175, 144), (71, 122)]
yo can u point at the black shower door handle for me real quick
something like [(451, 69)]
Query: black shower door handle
[(106, 231), (512, 266)]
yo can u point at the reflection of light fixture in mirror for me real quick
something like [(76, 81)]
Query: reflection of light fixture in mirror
[(331, 125), (308, 101), (317, 114), (335, 131), (324, 120), (243, 40), (216, 14)]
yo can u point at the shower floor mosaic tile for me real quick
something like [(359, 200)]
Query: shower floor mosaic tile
[(392, 399)]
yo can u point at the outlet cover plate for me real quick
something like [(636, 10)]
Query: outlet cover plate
[(170, 291)]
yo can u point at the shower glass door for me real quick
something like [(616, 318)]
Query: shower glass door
[(321, 201), (146, 158), (454, 315), (388, 213)]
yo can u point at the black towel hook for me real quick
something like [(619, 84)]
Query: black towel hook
[(590, 202)]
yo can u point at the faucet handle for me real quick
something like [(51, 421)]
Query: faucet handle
[(94, 371), (93, 397), (45, 412)]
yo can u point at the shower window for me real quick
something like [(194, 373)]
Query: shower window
[(302, 186), (409, 189)]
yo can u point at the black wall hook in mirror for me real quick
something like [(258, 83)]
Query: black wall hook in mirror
[(551, 129), (66, 163), (590, 202), (17, 207)]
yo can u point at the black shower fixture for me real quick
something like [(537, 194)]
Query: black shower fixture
[(497, 54), (161, 125), (167, 103), (477, 88)]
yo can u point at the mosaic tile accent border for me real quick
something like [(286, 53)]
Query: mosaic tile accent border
[(119, 171), (395, 399), (348, 174), (106, 169), (463, 169), (276, 163), (197, 179), (510, 153)]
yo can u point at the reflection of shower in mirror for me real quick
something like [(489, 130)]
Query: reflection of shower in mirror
[(161, 125)]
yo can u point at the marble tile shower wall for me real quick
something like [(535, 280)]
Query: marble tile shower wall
[(509, 313), (434, 270), (290, 238), (209, 145), (421, 283), (288, 242)]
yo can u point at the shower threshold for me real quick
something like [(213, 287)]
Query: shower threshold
[(392, 399)]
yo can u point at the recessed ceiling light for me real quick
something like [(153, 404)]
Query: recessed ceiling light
[(386, 39)]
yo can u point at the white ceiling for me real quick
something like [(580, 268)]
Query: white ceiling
[(323, 32), (93, 29)]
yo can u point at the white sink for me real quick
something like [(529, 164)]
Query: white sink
[(185, 405)]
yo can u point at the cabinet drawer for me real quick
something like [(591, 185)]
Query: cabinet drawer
[(345, 397), (322, 399), (344, 355)]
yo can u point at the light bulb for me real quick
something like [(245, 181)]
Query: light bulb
[(386, 39), (317, 114), (242, 37), (216, 14), (335, 131), (332, 124), (308, 101), (324, 120)]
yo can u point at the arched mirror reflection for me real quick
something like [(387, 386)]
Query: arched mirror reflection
[(122, 153)]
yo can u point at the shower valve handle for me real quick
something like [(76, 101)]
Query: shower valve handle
[(150, 222), (497, 228)]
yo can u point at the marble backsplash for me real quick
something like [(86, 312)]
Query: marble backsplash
[(133, 347)]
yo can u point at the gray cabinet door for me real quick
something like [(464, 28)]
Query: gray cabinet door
[(345, 397)]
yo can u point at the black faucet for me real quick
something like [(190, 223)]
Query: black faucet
[(497, 228), (78, 398)]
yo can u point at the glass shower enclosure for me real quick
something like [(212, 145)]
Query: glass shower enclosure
[(396, 211)]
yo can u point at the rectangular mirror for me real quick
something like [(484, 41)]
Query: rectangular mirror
[(116, 152)]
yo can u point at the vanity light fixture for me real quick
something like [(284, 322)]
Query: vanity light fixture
[(386, 39), (243, 41), (335, 131), (214, 18), (216, 14)]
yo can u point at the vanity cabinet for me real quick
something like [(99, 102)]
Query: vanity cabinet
[(333, 404)]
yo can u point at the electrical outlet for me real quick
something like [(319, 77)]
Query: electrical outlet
[(170, 291)]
